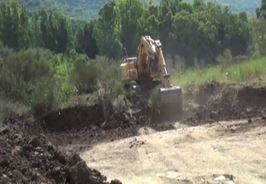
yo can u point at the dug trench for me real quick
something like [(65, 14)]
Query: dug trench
[(46, 150)]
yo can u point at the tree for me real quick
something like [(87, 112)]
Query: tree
[(107, 31), (149, 21), (130, 12), (55, 31), (259, 36), (85, 41), (261, 12), (198, 31), (14, 25)]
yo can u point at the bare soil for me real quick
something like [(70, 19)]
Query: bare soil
[(26, 156), (218, 102), (224, 152), (221, 139)]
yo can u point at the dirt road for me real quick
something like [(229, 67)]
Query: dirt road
[(224, 152)]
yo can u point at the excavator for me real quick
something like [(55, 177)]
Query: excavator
[(149, 68)]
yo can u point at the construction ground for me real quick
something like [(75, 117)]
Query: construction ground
[(221, 139)]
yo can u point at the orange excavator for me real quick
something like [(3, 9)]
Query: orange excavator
[(149, 67)]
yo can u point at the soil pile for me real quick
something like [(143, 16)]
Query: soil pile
[(77, 117), (26, 157), (218, 103), (91, 117)]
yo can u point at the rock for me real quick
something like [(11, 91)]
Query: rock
[(16, 150), (220, 178), (50, 147), (18, 176), (79, 173), (35, 142), (116, 182), (4, 131), (4, 162), (60, 157), (224, 179)]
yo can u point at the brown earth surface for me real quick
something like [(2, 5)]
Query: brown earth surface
[(136, 147), (219, 153), (26, 156)]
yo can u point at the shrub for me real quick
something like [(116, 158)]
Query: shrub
[(31, 77), (19, 72), (85, 74)]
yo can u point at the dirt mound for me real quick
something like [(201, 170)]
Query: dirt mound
[(74, 118), (89, 117), (30, 158), (228, 102)]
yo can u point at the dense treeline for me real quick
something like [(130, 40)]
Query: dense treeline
[(197, 32)]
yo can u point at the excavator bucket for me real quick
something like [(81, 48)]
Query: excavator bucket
[(171, 102)]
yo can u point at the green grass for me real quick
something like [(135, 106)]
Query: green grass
[(249, 71)]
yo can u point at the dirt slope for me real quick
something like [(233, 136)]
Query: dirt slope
[(224, 152), (26, 156)]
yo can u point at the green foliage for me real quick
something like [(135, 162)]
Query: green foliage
[(195, 32), (28, 77), (252, 70), (85, 75), (107, 31), (86, 43), (261, 12), (100, 75), (54, 30), (49, 29), (20, 70), (14, 31), (259, 36), (130, 11)]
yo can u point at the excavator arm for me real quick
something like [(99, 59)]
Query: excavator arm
[(149, 51)]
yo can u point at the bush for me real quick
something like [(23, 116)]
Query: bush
[(85, 75), (93, 75), (31, 77), (19, 72)]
